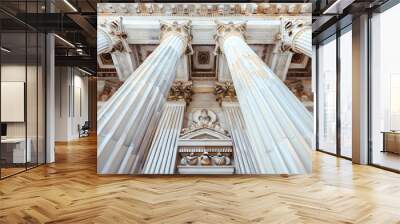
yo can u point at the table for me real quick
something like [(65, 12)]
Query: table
[(13, 150), (391, 141)]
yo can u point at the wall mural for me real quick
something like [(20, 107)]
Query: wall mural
[(208, 94)]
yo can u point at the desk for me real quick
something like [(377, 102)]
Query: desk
[(13, 150), (391, 141)]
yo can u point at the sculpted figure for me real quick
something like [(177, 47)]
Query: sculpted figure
[(204, 119), (205, 159), (190, 160), (220, 160)]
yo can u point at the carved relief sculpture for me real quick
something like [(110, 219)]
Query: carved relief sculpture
[(220, 159), (190, 160), (181, 90), (205, 159), (204, 119), (225, 90)]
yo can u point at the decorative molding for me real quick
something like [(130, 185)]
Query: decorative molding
[(181, 90), (225, 91), (203, 57), (205, 158), (110, 87), (105, 61), (204, 9), (203, 62), (300, 90)]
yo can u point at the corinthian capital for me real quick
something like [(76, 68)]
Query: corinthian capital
[(290, 30), (181, 90), (117, 35), (182, 30), (226, 30)]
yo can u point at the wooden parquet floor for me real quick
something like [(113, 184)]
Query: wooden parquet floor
[(70, 191)]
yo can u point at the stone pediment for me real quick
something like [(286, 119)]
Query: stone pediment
[(204, 133), (204, 137)]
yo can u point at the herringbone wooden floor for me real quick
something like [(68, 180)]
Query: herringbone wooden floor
[(70, 191)]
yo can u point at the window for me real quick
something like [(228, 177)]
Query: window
[(22, 77), (346, 93), (327, 96), (385, 89)]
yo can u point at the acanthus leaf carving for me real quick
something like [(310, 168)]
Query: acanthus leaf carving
[(181, 90), (225, 30), (225, 91), (116, 32), (184, 30)]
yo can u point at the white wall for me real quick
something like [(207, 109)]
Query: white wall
[(17, 73), (71, 103)]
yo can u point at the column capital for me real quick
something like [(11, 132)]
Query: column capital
[(115, 31), (184, 30), (291, 29), (226, 30), (181, 91), (225, 91)]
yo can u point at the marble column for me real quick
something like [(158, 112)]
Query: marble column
[(111, 38), (297, 37), (280, 128), (162, 154), (124, 120), (245, 158), (104, 42)]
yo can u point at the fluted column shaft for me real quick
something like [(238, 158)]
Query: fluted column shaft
[(245, 158), (279, 126), (125, 118), (162, 154), (297, 37), (302, 42), (104, 42)]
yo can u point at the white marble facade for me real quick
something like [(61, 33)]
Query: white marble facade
[(204, 89)]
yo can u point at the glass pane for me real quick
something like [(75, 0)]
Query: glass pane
[(327, 97), (386, 89), (32, 98), (13, 89), (346, 94), (41, 98)]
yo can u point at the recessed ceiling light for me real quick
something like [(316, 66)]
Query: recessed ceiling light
[(84, 71), (64, 40), (70, 5), (5, 50)]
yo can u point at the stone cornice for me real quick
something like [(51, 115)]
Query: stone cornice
[(205, 9)]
